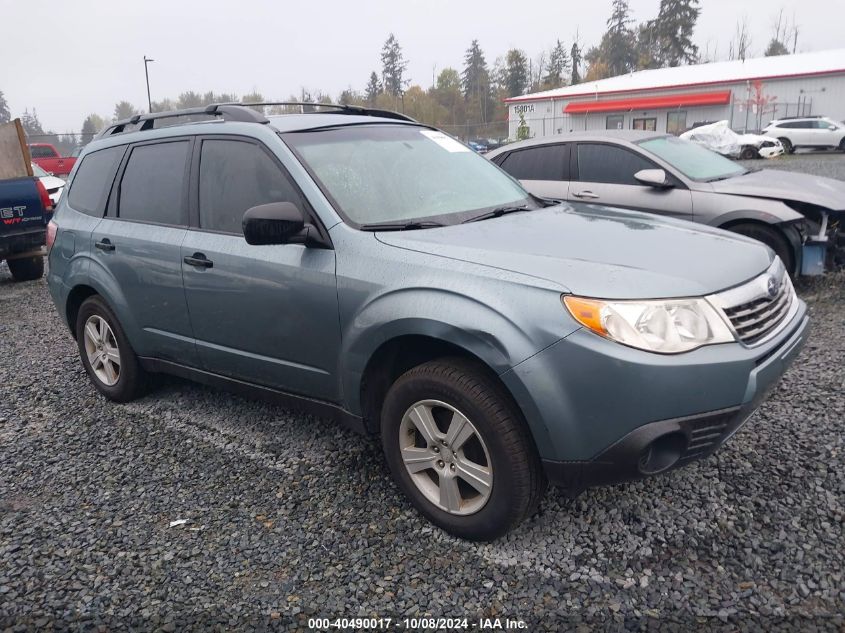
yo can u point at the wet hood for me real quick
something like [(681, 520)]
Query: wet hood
[(599, 252), (786, 185)]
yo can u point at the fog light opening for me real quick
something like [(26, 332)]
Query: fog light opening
[(662, 453)]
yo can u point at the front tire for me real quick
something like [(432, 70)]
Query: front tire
[(26, 268), (788, 147), (749, 153), (772, 238), (106, 354), (460, 450)]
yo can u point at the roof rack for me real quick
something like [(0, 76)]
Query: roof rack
[(242, 112), (227, 111), (339, 107), (809, 116)]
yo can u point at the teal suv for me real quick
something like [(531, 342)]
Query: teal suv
[(372, 269)]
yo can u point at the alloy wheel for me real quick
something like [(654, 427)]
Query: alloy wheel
[(102, 350), (446, 457)]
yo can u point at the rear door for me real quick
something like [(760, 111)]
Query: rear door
[(604, 174), (138, 246), (543, 170), (264, 314)]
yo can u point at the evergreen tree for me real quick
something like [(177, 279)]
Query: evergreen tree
[(393, 67), (575, 57), (373, 89), (775, 47), (672, 32), (558, 65), (93, 123), (5, 115), (475, 81), (617, 47), (515, 79)]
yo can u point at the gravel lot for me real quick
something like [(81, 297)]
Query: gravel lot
[(289, 516), (820, 163)]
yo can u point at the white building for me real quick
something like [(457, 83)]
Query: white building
[(747, 93)]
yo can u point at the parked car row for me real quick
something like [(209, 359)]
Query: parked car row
[(368, 267)]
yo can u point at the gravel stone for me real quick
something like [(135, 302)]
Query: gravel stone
[(291, 516)]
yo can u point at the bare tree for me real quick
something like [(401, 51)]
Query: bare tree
[(740, 45)]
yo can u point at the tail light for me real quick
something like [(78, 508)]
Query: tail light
[(52, 229), (45, 197)]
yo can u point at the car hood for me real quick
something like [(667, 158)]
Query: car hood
[(599, 251), (786, 185)]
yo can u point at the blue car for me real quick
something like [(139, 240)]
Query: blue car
[(360, 265)]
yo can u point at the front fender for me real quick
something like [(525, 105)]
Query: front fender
[(486, 331)]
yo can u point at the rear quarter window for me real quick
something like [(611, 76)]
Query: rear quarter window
[(537, 163), (93, 180)]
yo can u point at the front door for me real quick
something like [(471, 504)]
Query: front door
[(138, 244), (264, 314), (605, 175)]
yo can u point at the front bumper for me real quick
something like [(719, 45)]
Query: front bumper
[(603, 413)]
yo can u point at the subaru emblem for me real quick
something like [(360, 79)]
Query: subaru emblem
[(772, 286)]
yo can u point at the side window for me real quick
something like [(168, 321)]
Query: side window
[(609, 164), (237, 175), (41, 152), (93, 179), (152, 188), (545, 162)]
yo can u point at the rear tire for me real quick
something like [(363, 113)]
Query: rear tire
[(748, 153), (842, 145), (493, 441), (788, 147), (26, 268), (772, 238), (108, 358)]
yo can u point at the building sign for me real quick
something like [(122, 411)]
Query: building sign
[(523, 109)]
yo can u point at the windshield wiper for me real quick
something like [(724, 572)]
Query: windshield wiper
[(497, 213), (400, 226)]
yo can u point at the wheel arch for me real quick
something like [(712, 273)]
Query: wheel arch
[(787, 230)]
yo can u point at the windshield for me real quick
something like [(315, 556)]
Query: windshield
[(38, 172), (692, 160), (398, 173)]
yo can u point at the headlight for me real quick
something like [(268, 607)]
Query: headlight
[(666, 326)]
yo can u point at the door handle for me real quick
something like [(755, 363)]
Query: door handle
[(198, 260), (104, 244), (585, 194)]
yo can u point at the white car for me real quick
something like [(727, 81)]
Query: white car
[(52, 184), (814, 131), (720, 138)]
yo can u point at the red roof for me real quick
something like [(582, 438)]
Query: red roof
[(650, 103)]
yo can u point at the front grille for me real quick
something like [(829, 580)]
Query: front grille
[(759, 308), (754, 320)]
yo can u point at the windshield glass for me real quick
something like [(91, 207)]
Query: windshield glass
[(38, 172), (692, 160), (397, 173)]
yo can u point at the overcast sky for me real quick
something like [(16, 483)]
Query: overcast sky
[(67, 59)]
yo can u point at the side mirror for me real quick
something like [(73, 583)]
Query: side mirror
[(832, 127), (654, 178), (274, 223)]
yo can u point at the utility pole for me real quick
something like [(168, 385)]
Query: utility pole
[(147, 60)]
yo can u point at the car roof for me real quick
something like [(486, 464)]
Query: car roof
[(624, 136), (238, 118)]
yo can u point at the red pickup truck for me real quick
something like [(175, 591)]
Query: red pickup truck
[(47, 158)]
